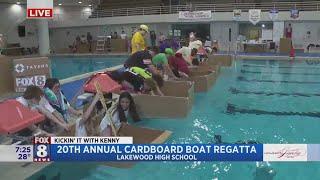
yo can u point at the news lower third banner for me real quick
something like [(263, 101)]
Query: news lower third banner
[(105, 149)]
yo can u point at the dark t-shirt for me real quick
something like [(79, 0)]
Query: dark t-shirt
[(139, 59), (135, 80)]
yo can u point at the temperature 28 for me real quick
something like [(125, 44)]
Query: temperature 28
[(23, 156)]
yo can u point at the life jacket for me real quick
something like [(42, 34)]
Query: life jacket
[(141, 72), (107, 84), (58, 103)]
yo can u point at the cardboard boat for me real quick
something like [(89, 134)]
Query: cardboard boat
[(206, 68), (176, 103), (202, 78), (140, 135), (221, 60)]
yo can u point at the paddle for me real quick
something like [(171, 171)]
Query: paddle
[(103, 102)]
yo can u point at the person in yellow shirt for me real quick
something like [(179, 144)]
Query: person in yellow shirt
[(138, 42)]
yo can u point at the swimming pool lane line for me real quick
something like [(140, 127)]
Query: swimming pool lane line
[(237, 91), (233, 109), (241, 78), (283, 73), (281, 67)]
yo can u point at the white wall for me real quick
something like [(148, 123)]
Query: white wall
[(220, 32), (10, 16), (299, 35), (61, 38), (31, 36)]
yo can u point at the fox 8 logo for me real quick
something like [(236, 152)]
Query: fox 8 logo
[(41, 153)]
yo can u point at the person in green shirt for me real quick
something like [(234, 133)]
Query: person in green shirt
[(161, 59)]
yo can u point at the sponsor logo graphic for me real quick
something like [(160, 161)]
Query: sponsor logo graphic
[(19, 68), (288, 153), (285, 152), (32, 80)]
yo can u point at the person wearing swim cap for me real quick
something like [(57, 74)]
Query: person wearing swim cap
[(161, 59), (137, 42)]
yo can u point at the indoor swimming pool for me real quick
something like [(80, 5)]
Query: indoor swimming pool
[(266, 101)]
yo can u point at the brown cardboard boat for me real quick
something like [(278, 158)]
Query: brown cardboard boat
[(176, 103), (140, 135), (206, 68), (202, 78)]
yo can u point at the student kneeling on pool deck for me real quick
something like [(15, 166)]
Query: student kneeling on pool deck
[(162, 59), (188, 54), (124, 109), (88, 124), (141, 59), (34, 98), (143, 81), (57, 99), (136, 84), (138, 80), (179, 66)]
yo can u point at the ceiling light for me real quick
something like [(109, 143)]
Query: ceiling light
[(90, 5), (79, 2), (59, 4)]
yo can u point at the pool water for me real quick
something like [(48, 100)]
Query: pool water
[(64, 67), (210, 116)]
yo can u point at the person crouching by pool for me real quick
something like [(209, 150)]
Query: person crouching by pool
[(188, 54), (138, 80), (143, 81), (88, 124), (125, 109), (161, 59), (141, 59), (57, 99), (34, 98), (179, 66)]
